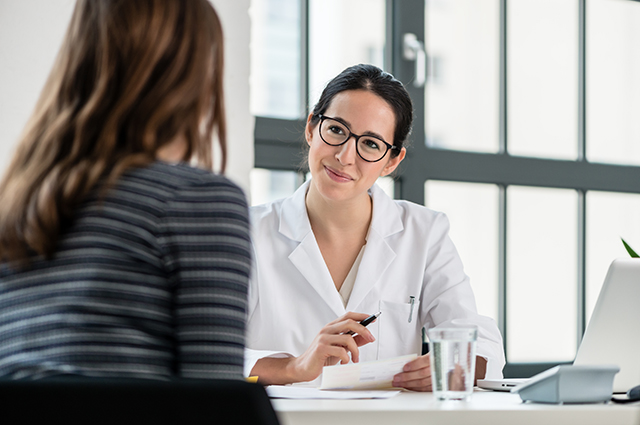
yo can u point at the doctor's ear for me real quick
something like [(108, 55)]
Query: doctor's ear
[(308, 130), (393, 163)]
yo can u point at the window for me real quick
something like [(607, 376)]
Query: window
[(343, 33), (613, 85), (541, 259), (474, 235), (276, 58), (525, 135), (462, 35), (542, 78)]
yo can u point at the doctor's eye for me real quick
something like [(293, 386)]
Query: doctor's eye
[(370, 144), (336, 130)]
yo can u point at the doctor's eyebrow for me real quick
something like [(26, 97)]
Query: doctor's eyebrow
[(366, 133)]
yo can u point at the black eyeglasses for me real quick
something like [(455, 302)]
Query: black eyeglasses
[(335, 133)]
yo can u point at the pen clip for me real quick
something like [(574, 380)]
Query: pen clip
[(412, 301)]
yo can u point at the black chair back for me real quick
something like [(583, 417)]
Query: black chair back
[(121, 402)]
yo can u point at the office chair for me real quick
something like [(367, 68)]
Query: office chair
[(121, 402)]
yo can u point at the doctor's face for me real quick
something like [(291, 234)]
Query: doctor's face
[(340, 172)]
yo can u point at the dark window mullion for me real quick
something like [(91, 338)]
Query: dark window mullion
[(582, 81), (503, 145), (278, 143), (441, 164), (582, 156), (502, 214), (304, 58), (582, 254), (502, 266), (407, 16)]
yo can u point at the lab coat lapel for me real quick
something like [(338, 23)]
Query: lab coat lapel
[(308, 260), (306, 257), (378, 254)]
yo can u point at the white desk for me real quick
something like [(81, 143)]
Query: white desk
[(485, 407)]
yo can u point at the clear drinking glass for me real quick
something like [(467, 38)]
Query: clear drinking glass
[(453, 362)]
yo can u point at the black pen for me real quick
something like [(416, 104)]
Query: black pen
[(366, 321)]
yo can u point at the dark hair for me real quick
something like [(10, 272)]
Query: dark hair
[(379, 82), (130, 78)]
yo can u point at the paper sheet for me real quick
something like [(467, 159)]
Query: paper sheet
[(376, 374), (295, 392)]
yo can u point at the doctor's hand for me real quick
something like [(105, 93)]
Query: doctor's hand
[(416, 375), (332, 345)]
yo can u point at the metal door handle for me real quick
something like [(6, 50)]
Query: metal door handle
[(413, 50)]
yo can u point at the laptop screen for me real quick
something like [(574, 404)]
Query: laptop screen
[(612, 336)]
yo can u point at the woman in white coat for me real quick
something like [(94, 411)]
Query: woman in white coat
[(340, 249)]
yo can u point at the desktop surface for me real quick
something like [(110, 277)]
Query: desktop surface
[(485, 407)]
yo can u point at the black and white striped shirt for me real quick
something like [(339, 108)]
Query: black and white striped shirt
[(148, 282)]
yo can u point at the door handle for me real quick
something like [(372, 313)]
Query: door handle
[(413, 50)]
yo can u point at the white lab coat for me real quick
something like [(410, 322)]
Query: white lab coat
[(408, 253)]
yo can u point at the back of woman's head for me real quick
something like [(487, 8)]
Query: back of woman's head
[(379, 82), (131, 77)]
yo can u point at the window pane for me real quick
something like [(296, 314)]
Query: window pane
[(541, 274), (473, 213), (343, 33), (610, 216), (461, 96), (542, 76), (275, 58), (613, 81), (269, 185)]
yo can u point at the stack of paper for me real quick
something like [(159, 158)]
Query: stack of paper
[(350, 381)]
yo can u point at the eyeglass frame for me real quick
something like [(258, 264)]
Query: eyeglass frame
[(357, 137)]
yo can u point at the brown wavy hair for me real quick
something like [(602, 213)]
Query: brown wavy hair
[(131, 77)]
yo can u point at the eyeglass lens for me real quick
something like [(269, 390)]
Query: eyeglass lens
[(335, 133)]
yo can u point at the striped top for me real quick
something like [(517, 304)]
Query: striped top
[(148, 282)]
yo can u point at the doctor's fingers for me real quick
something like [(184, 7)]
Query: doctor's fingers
[(339, 353), (416, 375), (419, 380), (421, 362), (344, 342), (360, 340), (350, 326), (416, 385)]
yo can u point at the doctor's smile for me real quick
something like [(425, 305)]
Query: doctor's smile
[(336, 176)]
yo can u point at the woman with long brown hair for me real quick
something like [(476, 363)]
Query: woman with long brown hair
[(119, 258)]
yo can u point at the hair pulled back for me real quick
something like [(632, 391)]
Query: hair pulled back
[(379, 82)]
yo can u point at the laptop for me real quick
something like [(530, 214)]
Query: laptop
[(501, 384), (613, 334)]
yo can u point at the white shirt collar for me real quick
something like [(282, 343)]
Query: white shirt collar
[(294, 220)]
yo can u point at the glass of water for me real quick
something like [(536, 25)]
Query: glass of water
[(452, 352)]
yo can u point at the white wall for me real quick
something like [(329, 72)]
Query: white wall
[(240, 123), (31, 32)]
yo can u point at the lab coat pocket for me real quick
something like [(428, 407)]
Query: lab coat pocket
[(397, 335)]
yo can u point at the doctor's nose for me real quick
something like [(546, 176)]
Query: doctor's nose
[(347, 153)]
